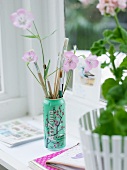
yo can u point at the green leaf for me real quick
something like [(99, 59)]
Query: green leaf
[(117, 36), (46, 70), (119, 73), (123, 48), (111, 50), (107, 85), (124, 63), (118, 94), (123, 34), (108, 34), (106, 123), (103, 65), (98, 48), (31, 36), (49, 35), (120, 118)]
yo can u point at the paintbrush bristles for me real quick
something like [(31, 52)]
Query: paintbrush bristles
[(60, 73)]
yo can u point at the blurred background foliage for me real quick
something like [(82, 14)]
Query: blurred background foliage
[(84, 24)]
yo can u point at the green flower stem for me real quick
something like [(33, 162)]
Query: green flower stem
[(40, 43), (67, 81), (113, 65), (32, 33), (33, 73), (43, 59), (53, 72), (81, 56), (117, 21)]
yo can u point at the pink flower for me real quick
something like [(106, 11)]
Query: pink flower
[(70, 62), (22, 19), (91, 62), (122, 4), (30, 57), (109, 6)]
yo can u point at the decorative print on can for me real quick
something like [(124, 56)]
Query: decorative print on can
[(54, 123)]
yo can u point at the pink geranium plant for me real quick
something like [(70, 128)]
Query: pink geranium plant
[(110, 6), (112, 120)]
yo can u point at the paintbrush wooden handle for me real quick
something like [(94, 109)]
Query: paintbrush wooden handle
[(42, 84), (57, 84), (50, 90)]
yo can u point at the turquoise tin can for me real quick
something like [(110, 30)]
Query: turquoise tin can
[(54, 123)]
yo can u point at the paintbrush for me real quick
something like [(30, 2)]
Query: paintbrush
[(60, 85), (57, 84), (58, 72), (62, 61), (56, 75), (66, 40), (50, 89), (41, 79)]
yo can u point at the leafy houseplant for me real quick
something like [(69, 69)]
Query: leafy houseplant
[(104, 131), (54, 104), (113, 120)]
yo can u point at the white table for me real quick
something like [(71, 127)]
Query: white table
[(17, 158)]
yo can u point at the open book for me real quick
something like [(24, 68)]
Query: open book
[(68, 159), (17, 132)]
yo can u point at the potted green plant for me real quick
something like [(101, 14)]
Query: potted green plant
[(104, 131)]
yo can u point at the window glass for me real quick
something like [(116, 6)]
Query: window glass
[(84, 24)]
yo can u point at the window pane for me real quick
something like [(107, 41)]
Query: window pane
[(84, 24)]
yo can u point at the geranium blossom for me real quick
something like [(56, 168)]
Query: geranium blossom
[(121, 3), (109, 6), (30, 57), (22, 19), (70, 62), (91, 62)]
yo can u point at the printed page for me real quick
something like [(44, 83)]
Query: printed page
[(17, 132), (71, 158)]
